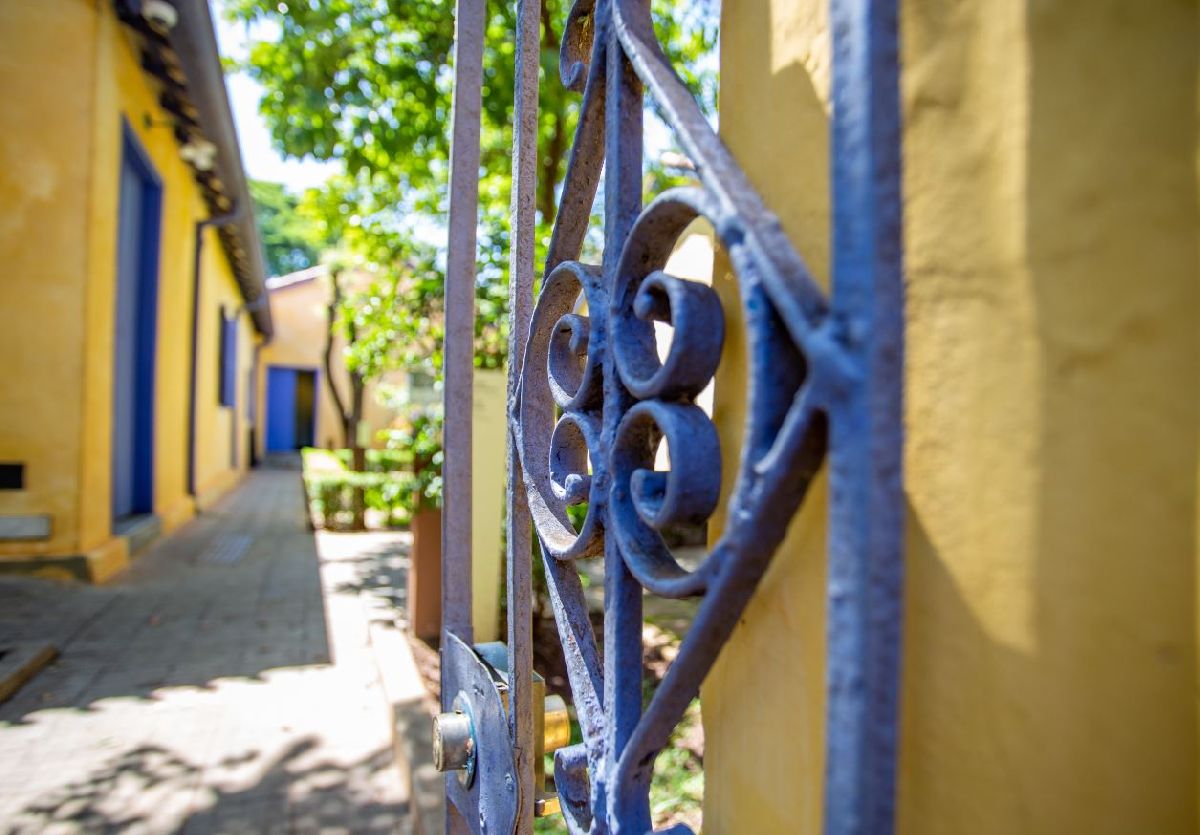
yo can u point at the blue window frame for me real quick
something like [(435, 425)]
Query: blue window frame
[(227, 376)]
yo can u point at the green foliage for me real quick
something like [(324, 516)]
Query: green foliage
[(362, 81), (421, 438), (388, 485), (396, 320), (331, 495), (677, 787), (369, 83), (291, 241), (378, 460), (577, 513)]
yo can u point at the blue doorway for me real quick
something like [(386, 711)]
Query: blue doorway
[(138, 218), (291, 408)]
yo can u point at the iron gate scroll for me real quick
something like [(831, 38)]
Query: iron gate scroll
[(590, 400)]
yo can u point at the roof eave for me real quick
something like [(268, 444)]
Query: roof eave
[(188, 63)]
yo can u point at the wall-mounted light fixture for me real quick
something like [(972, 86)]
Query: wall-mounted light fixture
[(160, 15), (199, 153)]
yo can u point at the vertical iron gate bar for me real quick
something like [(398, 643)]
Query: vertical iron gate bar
[(459, 344), (518, 525), (589, 400), (459, 348), (618, 808), (866, 521)]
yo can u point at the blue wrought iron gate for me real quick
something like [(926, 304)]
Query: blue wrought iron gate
[(590, 400)]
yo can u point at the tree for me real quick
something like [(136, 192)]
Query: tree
[(290, 241), (394, 319), (369, 82), (381, 303)]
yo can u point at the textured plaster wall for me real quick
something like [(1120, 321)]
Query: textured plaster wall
[(1052, 416), (216, 425), (488, 461), (299, 311), (44, 180), (764, 703), (122, 90), (74, 74), (1053, 527)]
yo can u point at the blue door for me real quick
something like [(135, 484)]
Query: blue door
[(134, 333), (291, 394)]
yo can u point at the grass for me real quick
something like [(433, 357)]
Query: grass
[(677, 788)]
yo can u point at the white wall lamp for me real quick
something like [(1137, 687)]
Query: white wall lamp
[(160, 15), (199, 153)]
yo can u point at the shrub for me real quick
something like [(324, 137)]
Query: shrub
[(421, 442), (332, 496)]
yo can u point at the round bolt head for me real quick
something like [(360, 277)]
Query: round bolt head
[(453, 742)]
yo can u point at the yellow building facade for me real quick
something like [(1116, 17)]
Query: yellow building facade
[(101, 107), (1052, 418), (300, 311)]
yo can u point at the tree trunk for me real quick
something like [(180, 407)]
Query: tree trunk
[(349, 416), (358, 455), (335, 301)]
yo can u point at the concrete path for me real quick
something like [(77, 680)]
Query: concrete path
[(225, 684)]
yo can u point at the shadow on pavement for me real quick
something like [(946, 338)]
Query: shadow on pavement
[(152, 788), (233, 593)]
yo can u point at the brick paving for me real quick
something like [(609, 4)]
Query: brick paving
[(224, 684)]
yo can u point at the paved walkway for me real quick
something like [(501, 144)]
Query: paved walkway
[(225, 684)]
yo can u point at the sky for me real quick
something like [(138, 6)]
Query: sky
[(261, 160)]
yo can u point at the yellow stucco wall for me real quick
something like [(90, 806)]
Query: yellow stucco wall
[(44, 182), (74, 73), (489, 459), (774, 664), (1052, 418), (221, 431)]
